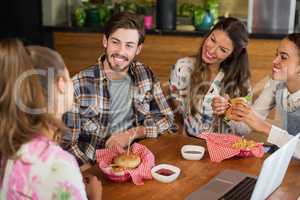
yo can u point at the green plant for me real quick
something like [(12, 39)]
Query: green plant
[(127, 5), (213, 7), (79, 13), (186, 10), (105, 12), (146, 9)]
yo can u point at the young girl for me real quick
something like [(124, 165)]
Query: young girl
[(282, 93), (220, 68), (33, 166)]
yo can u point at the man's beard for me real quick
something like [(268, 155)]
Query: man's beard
[(117, 69)]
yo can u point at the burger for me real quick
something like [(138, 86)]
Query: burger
[(126, 161), (233, 102)]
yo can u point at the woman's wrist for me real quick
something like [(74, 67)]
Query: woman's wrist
[(265, 127)]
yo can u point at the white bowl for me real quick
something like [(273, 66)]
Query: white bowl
[(165, 178), (192, 152)]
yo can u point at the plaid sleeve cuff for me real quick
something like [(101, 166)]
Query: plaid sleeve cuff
[(79, 155), (153, 129)]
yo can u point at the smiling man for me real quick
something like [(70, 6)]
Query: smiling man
[(119, 99)]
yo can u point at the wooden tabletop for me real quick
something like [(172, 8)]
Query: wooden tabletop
[(194, 174)]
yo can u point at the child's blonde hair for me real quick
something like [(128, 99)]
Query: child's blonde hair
[(20, 95)]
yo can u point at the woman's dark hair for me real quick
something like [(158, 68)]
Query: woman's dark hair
[(126, 20), (235, 66), (295, 38)]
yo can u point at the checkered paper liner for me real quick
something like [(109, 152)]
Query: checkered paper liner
[(220, 147), (105, 157)]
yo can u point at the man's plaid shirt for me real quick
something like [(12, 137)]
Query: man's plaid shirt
[(88, 121)]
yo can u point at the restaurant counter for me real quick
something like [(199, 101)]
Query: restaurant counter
[(65, 28)]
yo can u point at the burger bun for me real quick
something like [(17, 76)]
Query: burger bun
[(233, 102), (125, 161)]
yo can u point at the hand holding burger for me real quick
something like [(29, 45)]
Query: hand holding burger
[(239, 101), (223, 105), (220, 104), (245, 113)]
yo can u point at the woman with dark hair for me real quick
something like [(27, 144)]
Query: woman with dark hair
[(219, 69), (33, 165), (281, 92)]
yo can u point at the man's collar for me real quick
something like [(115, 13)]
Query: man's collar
[(102, 75)]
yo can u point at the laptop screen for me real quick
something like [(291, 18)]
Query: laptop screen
[(270, 177), (274, 169)]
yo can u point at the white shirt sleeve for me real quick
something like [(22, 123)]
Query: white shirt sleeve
[(266, 100), (180, 77), (279, 137)]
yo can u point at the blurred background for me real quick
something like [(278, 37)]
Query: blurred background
[(30, 19), (190, 14)]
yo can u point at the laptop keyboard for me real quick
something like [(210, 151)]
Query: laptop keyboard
[(242, 190)]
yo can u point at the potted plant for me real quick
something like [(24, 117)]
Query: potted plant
[(146, 10), (105, 13), (206, 15), (126, 5), (79, 13)]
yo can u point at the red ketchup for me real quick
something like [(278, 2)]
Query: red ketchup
[(165, 172)]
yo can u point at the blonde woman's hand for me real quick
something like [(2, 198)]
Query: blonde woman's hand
[(93, 187), (220, 104)]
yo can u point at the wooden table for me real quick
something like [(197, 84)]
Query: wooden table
[(193, 173)]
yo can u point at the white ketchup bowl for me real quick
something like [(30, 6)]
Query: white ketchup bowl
[(165, 173), (192, 152)]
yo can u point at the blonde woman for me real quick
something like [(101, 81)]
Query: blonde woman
[(33, 166)]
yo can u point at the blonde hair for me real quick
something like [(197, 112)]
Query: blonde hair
[(50, 62), (18, 126)]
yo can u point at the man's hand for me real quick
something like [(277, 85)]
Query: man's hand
[(220, 104), (118, 139), (122, 138), (245, 113)]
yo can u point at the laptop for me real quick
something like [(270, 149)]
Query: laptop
[(233, 184)]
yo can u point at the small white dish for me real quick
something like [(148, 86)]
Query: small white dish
[(192, 152), (165, 173)]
